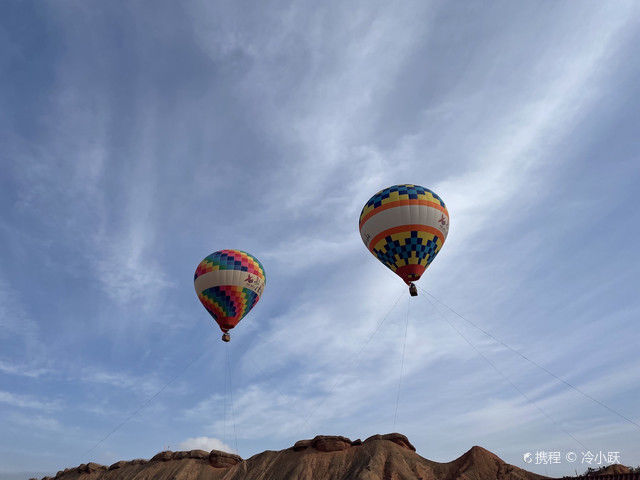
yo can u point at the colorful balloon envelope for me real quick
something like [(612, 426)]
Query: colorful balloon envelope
[(405, 226), (229, 283)]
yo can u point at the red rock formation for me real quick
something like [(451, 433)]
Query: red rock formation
[(615, 469), (397, 438), (387, 457), (218, 459)]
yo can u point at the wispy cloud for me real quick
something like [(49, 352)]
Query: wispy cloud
[(267, 130), (40, 423), (27, 401), (23, 370), (14, 320), (142, 384), (525, 126)]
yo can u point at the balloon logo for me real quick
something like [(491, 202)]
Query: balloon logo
[(229, 283), (405, 226)]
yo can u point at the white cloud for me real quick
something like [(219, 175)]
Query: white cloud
[(15, 323), (126, 272), (40, 423), (144, 385), (22, 370), (316, 84), (205, 443), (27, 401), (127, 268), (505, 136), (65, 184)]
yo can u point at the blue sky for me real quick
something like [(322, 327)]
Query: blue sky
[(139, 137)]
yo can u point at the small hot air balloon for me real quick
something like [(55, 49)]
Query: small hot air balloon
[(229, 283), (405, 226)]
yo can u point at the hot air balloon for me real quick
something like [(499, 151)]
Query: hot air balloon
[(405, 226), (229, 283)]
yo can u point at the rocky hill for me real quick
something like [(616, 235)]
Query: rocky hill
[(380, 457)]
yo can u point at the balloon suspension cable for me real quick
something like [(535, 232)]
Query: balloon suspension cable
[(196, 357), (232, 412), (504, 376), (532, 362), (260, 370), (358, 359), (226, 397), (404, 347)]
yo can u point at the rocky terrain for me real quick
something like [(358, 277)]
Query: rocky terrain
[(609, 472), (380, 457)]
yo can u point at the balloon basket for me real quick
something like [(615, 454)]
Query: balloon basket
[(226, 337), (413, 290)]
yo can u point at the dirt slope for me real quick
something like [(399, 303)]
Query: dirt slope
[(381, 457)]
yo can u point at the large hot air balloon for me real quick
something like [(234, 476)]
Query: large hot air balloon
[(405, 226), (229, 283)]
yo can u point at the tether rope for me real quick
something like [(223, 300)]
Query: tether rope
[(358, 359), (197, 357), (503, 375), (404, 346), (262, 373), (226, 396), (532, 362), (233, 414)]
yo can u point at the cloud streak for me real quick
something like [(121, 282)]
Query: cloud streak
[(212, 126)]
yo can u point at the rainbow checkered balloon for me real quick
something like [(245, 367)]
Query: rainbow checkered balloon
[(229, 283), (405, 226)]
